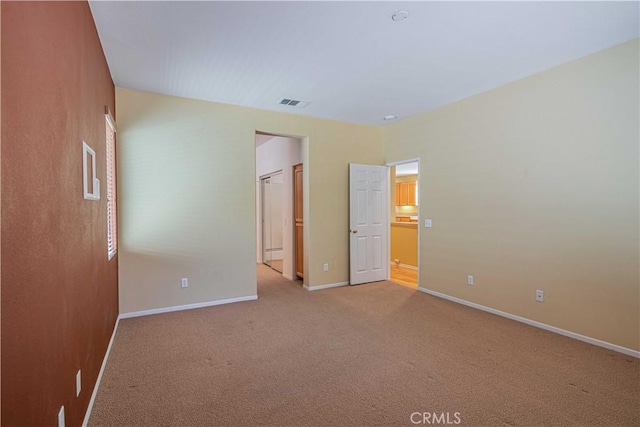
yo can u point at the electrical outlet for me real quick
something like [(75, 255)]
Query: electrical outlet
[(470, 280), (326, 266), (61, 417), (78, 382), (185, 282), (539, 295)]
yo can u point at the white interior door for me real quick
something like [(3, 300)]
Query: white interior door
[(368, 223)]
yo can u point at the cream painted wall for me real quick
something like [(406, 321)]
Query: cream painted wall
[(186, 180), (534, 185), (279, 154)]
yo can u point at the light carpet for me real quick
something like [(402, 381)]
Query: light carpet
[(372, 354)]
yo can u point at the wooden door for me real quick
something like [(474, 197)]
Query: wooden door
[(299, 224)]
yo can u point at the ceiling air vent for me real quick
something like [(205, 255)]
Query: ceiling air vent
[(294, 103)]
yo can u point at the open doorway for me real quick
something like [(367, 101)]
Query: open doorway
[(276, 228), (404, 178)]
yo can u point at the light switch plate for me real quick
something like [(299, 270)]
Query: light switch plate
[(427, 223)]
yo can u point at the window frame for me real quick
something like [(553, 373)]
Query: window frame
[(112, 214)]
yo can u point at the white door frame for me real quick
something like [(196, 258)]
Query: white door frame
[(402, 162)]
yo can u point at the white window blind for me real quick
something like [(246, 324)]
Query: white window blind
[(112, 229)]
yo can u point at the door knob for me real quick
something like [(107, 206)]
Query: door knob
[(354, 231)]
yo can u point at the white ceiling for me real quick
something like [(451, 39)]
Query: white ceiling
[(349, 59)]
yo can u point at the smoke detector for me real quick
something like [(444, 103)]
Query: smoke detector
[(400, 15)]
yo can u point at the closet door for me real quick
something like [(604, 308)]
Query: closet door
[(272, 218)]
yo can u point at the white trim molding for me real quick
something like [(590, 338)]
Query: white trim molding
[(594, 341), (186, 307), (328, 286), (87, 415)]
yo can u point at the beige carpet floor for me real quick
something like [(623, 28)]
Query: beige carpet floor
[(353, 356)]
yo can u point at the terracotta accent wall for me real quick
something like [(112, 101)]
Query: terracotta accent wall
[(59, 291)]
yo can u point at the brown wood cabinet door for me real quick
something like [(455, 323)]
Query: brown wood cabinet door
[(404, 194), (411, 193), (297, 213)]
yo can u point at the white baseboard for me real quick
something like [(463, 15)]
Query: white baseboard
[(186, 307), (330, 285), (286, 276), (544, 326), (87, 415), (410, 267)]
